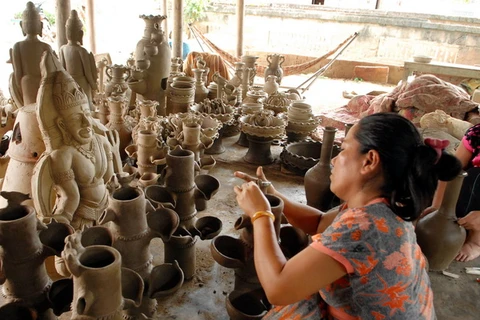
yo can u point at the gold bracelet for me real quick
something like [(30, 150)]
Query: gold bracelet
[(260, 214)]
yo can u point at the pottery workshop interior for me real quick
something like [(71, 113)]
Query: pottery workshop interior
[(132, 133)]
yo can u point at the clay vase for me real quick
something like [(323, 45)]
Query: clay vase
[(154, 62), (201, 91), (438, 234), (102, 288), (147, 151), (275, 62), (317, 178), (117, 106), (250, 65), (271, 86), (117, 80)]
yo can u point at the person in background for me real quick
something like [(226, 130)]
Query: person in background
[(468, 204), (364, 259), (185, 47)]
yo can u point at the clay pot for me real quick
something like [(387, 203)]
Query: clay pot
[(206, 187), (117, 80), (317, 178), (246, 305), (271, 86), (438, 234), (181, 97), (201, 91)]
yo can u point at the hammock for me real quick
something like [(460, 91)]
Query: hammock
[(287, 70)]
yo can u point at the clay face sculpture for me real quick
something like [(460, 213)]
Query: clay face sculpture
[(25, 56), (77, 60), (83, 159)]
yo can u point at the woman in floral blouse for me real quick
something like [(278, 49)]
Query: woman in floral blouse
[(363, 260)]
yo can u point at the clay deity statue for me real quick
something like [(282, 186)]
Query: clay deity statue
[(25, 56), (77, 60), (77, 162)]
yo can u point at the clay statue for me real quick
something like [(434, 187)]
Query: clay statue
[(25, 56), (77, 60), (82, 159)]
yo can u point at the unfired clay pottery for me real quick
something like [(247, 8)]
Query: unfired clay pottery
[(250, 65), (301, 121), (261, 128), (275, 62), (154, 62), (181, 96), (179, 176), (118, 109), (271, 86), (26, 243), (24, 151), (278, 102), (247, 300), (135, 224), (148, 151), (25, 56), (102, 288), (438, 234), (217, 109), (77, 60), (247, 108), (236, 80), (317, 178), (117, 80), (201, 91)]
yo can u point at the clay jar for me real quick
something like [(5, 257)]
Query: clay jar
[(181, 95), (117, 80), (317, 178), (299, 111), (438, 234), (271, 86), (201, 91)]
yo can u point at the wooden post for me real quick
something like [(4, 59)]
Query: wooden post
[(165, 13), (177, 42), (240, 18), (62, 13), (90, 17)]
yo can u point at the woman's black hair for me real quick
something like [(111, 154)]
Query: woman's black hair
[(411, 169)]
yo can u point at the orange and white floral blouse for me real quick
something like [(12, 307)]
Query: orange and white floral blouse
[(386, 270)]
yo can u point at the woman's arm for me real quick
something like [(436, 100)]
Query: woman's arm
[(284, 282)]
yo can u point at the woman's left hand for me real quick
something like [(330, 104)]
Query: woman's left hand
[(251, 199)]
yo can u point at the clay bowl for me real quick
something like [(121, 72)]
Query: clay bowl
[(302, 155), (245, 305)]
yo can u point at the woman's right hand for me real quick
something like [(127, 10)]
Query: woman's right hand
[(261, 180)]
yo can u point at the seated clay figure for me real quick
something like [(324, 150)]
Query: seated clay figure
[(77, 162), (25, 57), (77, 60)]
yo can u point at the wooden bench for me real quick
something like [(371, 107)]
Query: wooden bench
[(450, 69)]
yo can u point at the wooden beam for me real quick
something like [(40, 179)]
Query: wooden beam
[(177, 42), (240, 20), (90, 17), (62, 12)]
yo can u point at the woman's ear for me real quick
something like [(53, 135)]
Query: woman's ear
[(371, 163)]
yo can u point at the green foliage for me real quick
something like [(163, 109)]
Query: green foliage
[(194, 10), (357, 79), (50, 17)]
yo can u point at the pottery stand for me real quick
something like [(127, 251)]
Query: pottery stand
[(248, 297), (134, 224), (261, 128), (26, 243), (182, 186)]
